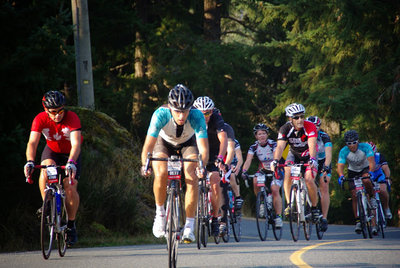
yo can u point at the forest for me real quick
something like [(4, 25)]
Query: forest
[(339, 58)]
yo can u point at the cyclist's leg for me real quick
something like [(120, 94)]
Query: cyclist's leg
[(234, 185), (216, 192), (325, 198), (276, 197), (384, 195), (256, 189), (311, 186), (287, 183), (48, 158), (71, 191)]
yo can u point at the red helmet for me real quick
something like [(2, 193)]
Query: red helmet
[(372, 145)]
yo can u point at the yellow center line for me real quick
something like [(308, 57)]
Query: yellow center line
[(296, 259)]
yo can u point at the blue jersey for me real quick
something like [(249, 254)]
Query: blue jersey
[(163, 124), (359, 159), (378, 173)]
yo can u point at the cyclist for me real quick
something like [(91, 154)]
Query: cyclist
[(302, 138), (234, 161), (218, 143), (62, 130), (324, 146), (174, 129), (382, 176), (361, 162)]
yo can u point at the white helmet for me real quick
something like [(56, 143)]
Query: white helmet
[(294, 108), (203, 103)]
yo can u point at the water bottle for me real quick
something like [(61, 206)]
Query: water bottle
[(58, 202), (230, 199), (269, 201)]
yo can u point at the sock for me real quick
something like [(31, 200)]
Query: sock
[(189, 223), (71, 224), (160, 210), (238, 197)]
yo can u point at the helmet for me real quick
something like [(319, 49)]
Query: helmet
[(315, 120), (204, 103), (350, 136), (53, 99), (260, 127), (373, 146), (180, 97), (294, 108)]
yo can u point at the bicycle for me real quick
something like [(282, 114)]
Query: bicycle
[(364, 210), (175, 213), (380, 216), (318, 223), (300, 204), (265, 220), (203, 212), (233, 218), (54, 216)]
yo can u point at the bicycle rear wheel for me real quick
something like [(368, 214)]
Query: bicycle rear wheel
[(47, 224), (225, 236), (277, 231), (362, 214), (236, 220), (307, 224), (294, 213), (320, 233), (261, 217), (172, 226), (62, 236)]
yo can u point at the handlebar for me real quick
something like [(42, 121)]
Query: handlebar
[(29, 178)]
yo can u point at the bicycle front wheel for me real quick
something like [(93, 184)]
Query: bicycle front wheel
[(236, 220), (62, 236), (294, 213), (362, 214), (172, 227), (307, 224), (261, 217), (381, 219), (47, 224)]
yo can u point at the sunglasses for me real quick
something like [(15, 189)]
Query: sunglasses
[(297, 117), (56, 112), (208, 113), (351, 142)]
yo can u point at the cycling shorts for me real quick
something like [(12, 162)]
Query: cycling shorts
[(274, 181), (352, 174), (60, 159), (291, 158), (321, 164), (185, 149)]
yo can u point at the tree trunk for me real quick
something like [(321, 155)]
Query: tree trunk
[(212, 20)]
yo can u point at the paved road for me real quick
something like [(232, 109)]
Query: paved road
[(340, 247)]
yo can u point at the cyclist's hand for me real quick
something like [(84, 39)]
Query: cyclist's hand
[(70, 169), (145, 172), (273, 165), (201, 172), (28, 168), (340, 181), (326, 169), (313, 163), (245, 177)]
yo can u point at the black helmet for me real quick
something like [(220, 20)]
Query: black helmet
[(315, 120), (180, 97), (53, 99), (260, 127), (350, 136)]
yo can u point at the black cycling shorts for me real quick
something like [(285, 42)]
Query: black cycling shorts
[(60, 159), (352, 174), (185, 149)]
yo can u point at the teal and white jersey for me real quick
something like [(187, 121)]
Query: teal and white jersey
[(323, 141), (163, 124), (358, 160)]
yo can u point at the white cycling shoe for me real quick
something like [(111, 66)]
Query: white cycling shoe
[(278, 222), (188, 235), (159, 226)]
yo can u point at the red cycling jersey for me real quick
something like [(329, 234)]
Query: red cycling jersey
[(57, 134)]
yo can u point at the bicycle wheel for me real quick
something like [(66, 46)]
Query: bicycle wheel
[(199, 219), (307, 224), (225, 236), (261, 218), (47, 224), (172, 226), (381, 219), (62, 236), (362, 214), (236, 220), (320, 233), (368, 217), (206, 218), (277, 231), (294, 213)]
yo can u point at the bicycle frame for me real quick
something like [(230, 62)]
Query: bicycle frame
[(380, 215), (302, 195)]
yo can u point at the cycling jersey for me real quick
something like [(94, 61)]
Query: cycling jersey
[(379, 175), (298, 139), (163, 124), (231, 136), (323, 141), (57, 134), (359, 159), (264, 153), (214, 126)]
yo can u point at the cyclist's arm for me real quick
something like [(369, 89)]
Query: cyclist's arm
[(148, 147), (371, 161), (223, 142), (280, 147), (312, 145), (32, 145), (247, 163), (340, 169), (239, 157), (386, 170), (202, 145), (328, 155), (230, 152), (75, 138)]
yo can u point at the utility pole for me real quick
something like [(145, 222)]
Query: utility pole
[(83, 56)]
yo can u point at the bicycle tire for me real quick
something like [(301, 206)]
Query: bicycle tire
[(236, 220), (276, 231), (62, 236), (172, 225), (318, 230), (369, 219), (294, 215), (225, 236), (47, 224), (199, 219), (362, 215), (381, 219), (262, 220), (307, 224)]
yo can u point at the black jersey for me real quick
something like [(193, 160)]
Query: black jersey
[(215, 126)]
